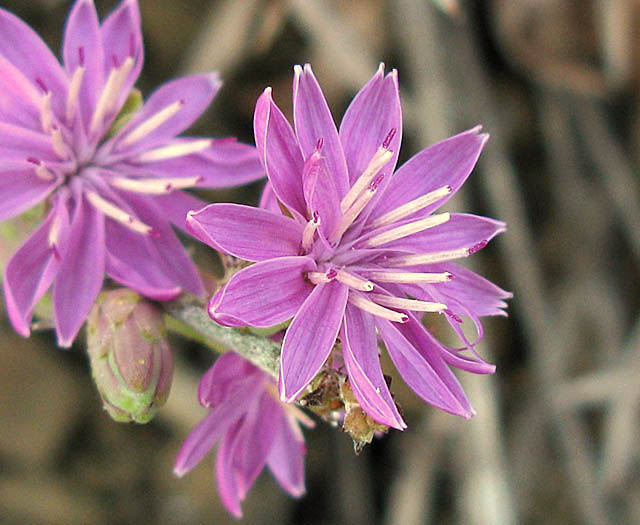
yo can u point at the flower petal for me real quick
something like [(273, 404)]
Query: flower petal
[(268, 199), (360, 353), (249, 233), (24, 48), (169, 253), (227, 475), (122, 38), (18, 143), (81, 273), (176, 205), (369, 119), (82, 46), (229, 372), (310, 338), (286, 457), (264, 294), (280, 153), (422, 366), (320, 193), (193, 94), (20, 188), (314, 122), (32, 269), (21, 100), (447, 163)]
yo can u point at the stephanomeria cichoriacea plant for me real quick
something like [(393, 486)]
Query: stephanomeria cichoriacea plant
[(111, 186), (253, 427), (347, 249)]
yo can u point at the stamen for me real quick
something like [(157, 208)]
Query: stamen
[(46, 113), (59, 146), (381, 157), (174, 150), (152, 123), (376, 309), (81, 56), (387, 141), (430, 258), (322, 277), (309, 231), (74, 93), (453, 316), (158, 186), (407, 304), (410, 277), (117, 214), (408, 229), (41, 171), (54, 237), (412, 207), (477, 247), (110, 93), (356, 208), (353, 281)]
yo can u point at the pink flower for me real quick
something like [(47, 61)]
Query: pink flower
[(110, 198), (254, 429), (360, 252)]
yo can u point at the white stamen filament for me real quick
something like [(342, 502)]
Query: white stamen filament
[(74, 93), (309, 231), (42, 172), (117, 214), (110, 92), (352, 213), (376, 309), (381, 157), (411, 207), (357, 283), (410, 277), (152, 123), (428, 258), (46, 113), (159, 186), (174, 150), (318, 277), (59, 146), (408, 229), (407, 304)]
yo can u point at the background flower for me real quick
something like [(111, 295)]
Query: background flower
[(254, 430), (112, 186)]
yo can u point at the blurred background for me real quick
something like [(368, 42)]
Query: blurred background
[(555, 83)]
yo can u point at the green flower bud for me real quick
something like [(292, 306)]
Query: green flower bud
[(131, 360)]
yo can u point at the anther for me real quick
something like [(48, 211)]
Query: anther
[(118, 214), (377, 310), (453, 316), (42, 85), (152, 123), (407, 229), (159, 186), (74, 93), (180, 149), (407, 304), (410, 277), (477, 247), (411, 207), (353, 281), (81, 56), (309, 231)]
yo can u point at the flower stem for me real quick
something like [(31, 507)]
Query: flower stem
[(189, 318)]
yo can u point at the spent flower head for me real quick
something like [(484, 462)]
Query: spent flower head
[(253, 428), (348, 249), (113, 182)]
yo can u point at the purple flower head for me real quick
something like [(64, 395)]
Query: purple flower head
[(359, 251), (254, 429), (111, 186)]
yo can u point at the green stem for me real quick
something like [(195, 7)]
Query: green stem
[(190, 318)]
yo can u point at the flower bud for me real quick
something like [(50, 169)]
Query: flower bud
[(131, 360)]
